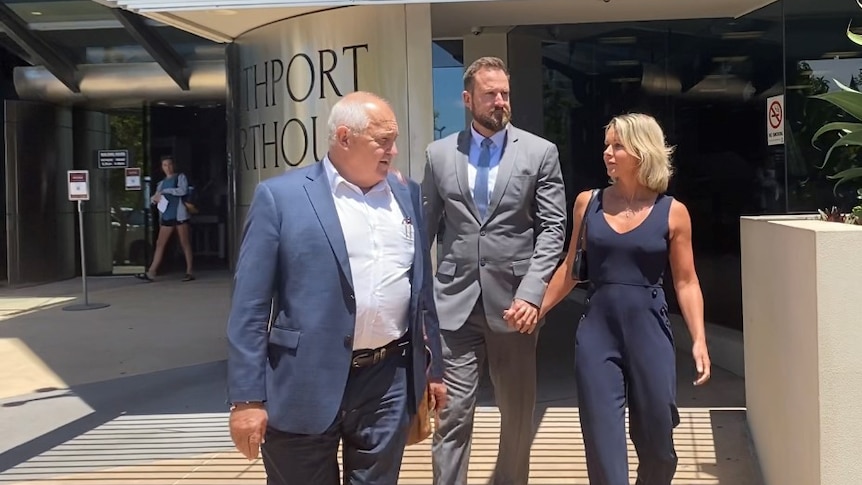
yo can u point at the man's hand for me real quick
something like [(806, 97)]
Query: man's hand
[(439, 395), (701, 362), (523, 316), (247, 428)]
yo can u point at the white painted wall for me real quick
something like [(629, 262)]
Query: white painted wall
[(802, 288)]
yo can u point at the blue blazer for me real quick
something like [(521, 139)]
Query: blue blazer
[(293, 267)]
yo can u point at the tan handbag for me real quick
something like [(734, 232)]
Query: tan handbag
[(420, 426)]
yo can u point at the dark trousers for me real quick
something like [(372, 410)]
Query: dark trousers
[(630, 361), (372, 424)]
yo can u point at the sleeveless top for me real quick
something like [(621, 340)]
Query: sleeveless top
[(638, 257)]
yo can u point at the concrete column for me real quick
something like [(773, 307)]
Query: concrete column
[(40, 220), (525, 68), (485, 44), (801, 292), (420, 90)]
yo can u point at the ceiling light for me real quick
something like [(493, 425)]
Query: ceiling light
[(623, 63), (754, 34), (839, 54), (730, 59), (36, 13), (618, 40)]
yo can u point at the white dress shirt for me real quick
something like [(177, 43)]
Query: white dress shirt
[(380, 249), (498, 141)]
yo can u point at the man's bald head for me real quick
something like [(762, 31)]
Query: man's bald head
[(362, 133), (356, 110)]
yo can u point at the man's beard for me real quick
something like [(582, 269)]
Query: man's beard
[(494, 121)]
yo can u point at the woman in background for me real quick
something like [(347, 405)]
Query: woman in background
[(624, 344), (175, 216)]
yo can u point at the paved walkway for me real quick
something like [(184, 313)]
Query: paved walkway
[(134, 394)]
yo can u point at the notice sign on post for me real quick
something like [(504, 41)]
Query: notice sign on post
[(133, 179), (775, 120), (113, 158), (79, 185)]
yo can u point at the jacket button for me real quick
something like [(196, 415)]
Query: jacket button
[(352, 297), (654, 293), (482, 233), (348, 341)]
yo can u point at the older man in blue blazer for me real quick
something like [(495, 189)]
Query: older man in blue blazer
[(342, 246)]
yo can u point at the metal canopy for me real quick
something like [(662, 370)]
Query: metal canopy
[(37, 49), (169, 5), (160, 50)]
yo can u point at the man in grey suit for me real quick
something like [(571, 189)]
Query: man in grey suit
[(494, 199)]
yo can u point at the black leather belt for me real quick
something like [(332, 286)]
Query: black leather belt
[(369, 357)]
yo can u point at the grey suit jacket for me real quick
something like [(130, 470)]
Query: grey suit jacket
[(514, 252)]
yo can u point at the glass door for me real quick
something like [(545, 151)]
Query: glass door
[(131, 219)]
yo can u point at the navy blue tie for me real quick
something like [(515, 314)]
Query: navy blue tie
[(480, 189)]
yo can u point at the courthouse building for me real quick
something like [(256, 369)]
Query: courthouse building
[(238, 91)]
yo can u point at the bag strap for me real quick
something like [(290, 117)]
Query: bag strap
[(584, 219)]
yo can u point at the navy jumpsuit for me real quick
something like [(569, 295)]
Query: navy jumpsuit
[(625, 352)]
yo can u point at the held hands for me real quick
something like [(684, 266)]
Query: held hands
[(523, 316), (439, 395), (247, 428), (701, 362)]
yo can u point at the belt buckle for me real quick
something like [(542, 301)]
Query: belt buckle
[(379, 355), (357, 360)]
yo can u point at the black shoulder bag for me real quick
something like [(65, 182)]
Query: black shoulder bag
[(579, 268)]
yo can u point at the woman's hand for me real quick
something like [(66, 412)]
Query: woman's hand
[(156, 198), (701, 362)]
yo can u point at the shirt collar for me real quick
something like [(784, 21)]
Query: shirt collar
[(498, 138), (335, 179)]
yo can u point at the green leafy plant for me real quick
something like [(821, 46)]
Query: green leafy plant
[(849, 139)]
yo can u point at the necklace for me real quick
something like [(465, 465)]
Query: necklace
[(629, 212)]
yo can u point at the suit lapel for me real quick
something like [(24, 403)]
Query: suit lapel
[(402, 195), (504, 171), (462, 159), (319, 193)]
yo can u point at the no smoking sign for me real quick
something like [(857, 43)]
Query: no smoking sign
[(775, 120)]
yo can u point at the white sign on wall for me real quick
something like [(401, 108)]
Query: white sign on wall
[(79, 185), (775, 120)]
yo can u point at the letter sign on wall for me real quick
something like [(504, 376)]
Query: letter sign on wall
[(293, 71)]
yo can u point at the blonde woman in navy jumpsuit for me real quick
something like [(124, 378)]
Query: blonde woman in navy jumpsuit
[(624, 345)]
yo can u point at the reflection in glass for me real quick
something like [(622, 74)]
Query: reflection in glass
[(448, 73), (130, 227), (706, 81), (819, 56)]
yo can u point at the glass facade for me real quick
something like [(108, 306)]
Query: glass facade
[(707, 81), (819, 56), (120, 224), (448, 72), (131, 223)]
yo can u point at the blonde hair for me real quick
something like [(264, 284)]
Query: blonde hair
[(643, 138)]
